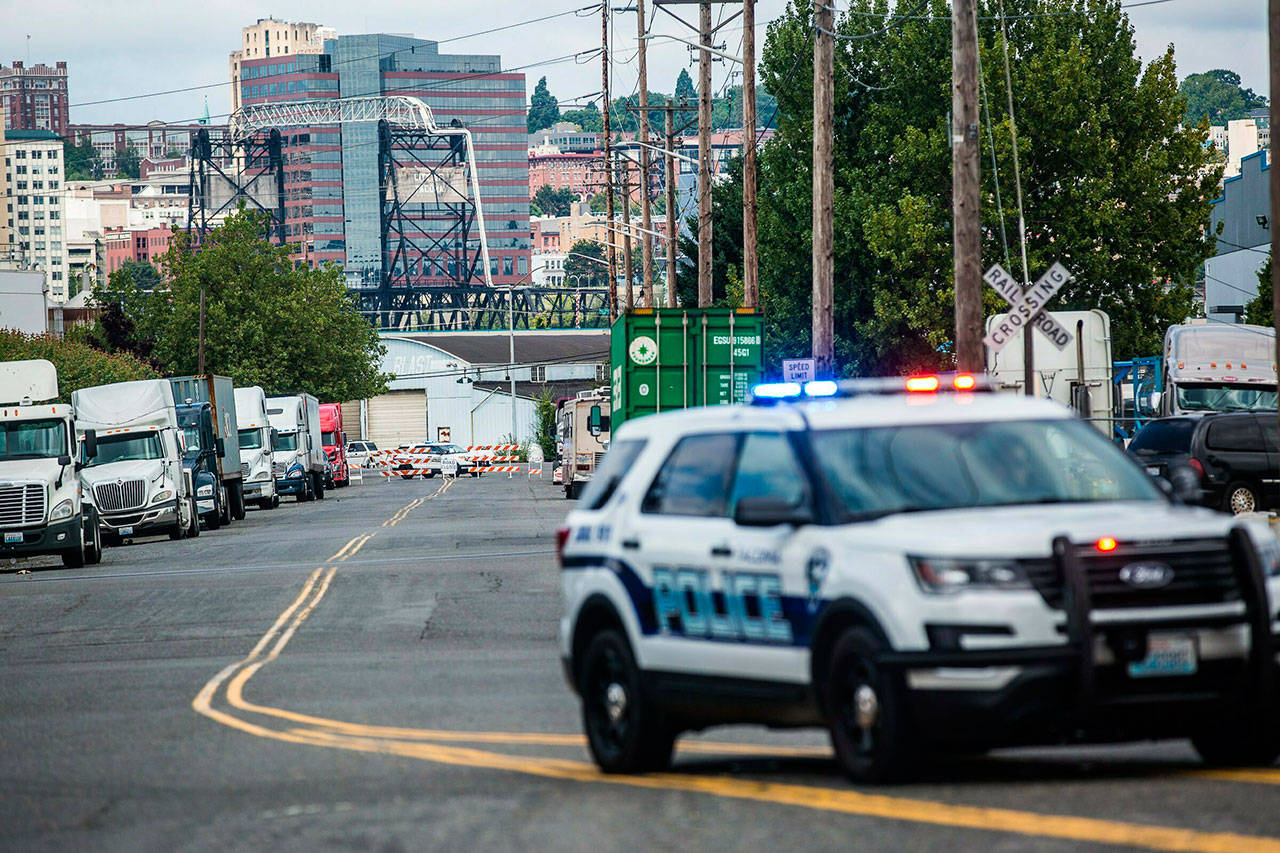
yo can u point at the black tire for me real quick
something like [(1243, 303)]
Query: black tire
[(224, 505), (274, 502), (625, 732), (319, 487), (1245, 739), (866, 714), (193, 529), (74, 557), (1241, 497), (93, 548), (236, 493), (305, 491), (213, 520)]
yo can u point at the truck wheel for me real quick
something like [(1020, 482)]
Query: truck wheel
[(224, 506), (193, 529), (625, 732), (93, 549), (864, 709), (236, 493), (319, 487), (1246, 739), (1240, 497), (74, 557)]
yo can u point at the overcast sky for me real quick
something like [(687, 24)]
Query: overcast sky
[(121, 48)]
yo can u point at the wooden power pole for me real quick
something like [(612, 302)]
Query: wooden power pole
[(608, 161), (965, 154), (624, 181), (750, 265), (673, 224), (823, 190), (704, 155), (646, 217)]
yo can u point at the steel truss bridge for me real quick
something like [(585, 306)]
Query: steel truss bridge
[(435, 270)]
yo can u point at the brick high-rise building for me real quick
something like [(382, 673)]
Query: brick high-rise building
[(331, 173), (35, 98)]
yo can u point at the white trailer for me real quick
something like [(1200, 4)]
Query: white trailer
[(298, 458)]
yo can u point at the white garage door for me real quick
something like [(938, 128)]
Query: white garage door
[(351, 420), (398, 417)]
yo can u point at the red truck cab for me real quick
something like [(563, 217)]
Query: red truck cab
[(334, 440)]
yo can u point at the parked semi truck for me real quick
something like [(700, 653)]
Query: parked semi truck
[(582, 427), (207, 414), (298, 455), (255, 439), (135, 480), (334, 440), (41, 511), (1217, 367)]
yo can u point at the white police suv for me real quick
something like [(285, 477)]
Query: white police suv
[(917, 565)]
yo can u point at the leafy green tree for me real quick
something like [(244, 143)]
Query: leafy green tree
[(175, 153), (79, 364), (268, 321), (81, 162), (1258, 311), (129, 163), (544, 109), (129, 290), (549, 202), (1129, 227), (1218, 96), (586, 265), (588, 119), (545, 406), (684, 89)]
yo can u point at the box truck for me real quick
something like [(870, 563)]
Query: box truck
[(1217, 367), (207, 415), (41, 511), (335, 443), (298, 458), (582, 437), (135, 480), (255, 440)]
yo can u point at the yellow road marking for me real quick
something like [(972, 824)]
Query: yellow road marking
[(1255, 775), (335, 734)]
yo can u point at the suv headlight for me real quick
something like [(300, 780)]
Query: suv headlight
[(942, 576), (162, 495), (61, 511)]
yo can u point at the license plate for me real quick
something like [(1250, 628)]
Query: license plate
[(1166, 655), (11, 538), (125, 531)]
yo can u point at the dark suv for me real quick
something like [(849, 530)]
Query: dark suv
[(1235, 455)]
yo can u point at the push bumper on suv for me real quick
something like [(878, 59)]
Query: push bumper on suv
[(49, 539), (1087, 689)]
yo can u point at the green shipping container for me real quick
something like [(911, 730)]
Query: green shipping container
[(674, 358)]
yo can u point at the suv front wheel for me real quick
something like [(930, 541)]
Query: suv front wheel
[(1240, 497), (865, 711), (626, 733)]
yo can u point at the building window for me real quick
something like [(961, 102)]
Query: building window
[(522, 265), (506, 266), (602, 371), (538, 373)]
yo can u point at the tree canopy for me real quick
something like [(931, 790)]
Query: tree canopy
[(1218, 96), (585, 272), (81, 162), (588, 118), (1112, 183), (268, 321), (544, 109), (129, 163), (685, 90), (1258, 311), (550, 202), (79, 364)]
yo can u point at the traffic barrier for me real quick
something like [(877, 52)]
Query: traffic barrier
[(499, 468)]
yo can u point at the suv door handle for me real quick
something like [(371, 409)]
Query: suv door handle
[(633, 544), (721, 551)]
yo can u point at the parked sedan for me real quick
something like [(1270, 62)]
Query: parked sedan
[(1235, 456)]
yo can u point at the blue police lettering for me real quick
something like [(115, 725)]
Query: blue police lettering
[(684, 603)]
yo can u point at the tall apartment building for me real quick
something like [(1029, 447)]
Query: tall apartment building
[(7, 248), (35, 98), (331, 176), (270, 38), (36, 202)]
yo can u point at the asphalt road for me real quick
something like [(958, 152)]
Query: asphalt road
[(379, 671)]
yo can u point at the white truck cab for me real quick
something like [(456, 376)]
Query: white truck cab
[(934, 568), (41, 511), (255, 438)]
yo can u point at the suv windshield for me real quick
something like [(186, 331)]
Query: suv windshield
[(1225, 397), (875, 471), (250, 439), (125, 447), (45, 439), (286, 441)]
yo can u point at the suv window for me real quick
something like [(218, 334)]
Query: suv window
[(1165, 436), (767, 467), (1235, 433), (695, 478), (615, 465)]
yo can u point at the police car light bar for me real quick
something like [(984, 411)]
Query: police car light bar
[(770, 393)]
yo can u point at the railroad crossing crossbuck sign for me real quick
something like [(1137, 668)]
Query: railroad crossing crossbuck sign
[(1028, 308)]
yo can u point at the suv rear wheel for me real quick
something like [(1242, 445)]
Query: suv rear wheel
[(626, 733), (1240, 497), (864, 706)]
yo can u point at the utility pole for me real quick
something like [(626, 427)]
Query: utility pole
[(704, 155), (750, 264), (624, 181), (200, 348), (965, 153), (1273, 16), (823, 189), (646, 218), (608, 159), (673, 227)]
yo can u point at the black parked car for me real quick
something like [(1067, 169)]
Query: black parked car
[(1236, 456)]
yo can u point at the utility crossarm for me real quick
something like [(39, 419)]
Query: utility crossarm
[(674, 154)]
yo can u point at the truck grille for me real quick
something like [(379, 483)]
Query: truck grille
[(1202, 574), (114, 497), (277, 468), (21, 504)]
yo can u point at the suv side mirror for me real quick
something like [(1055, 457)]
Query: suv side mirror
[(767, 511), (90, 443), (594, 419)]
